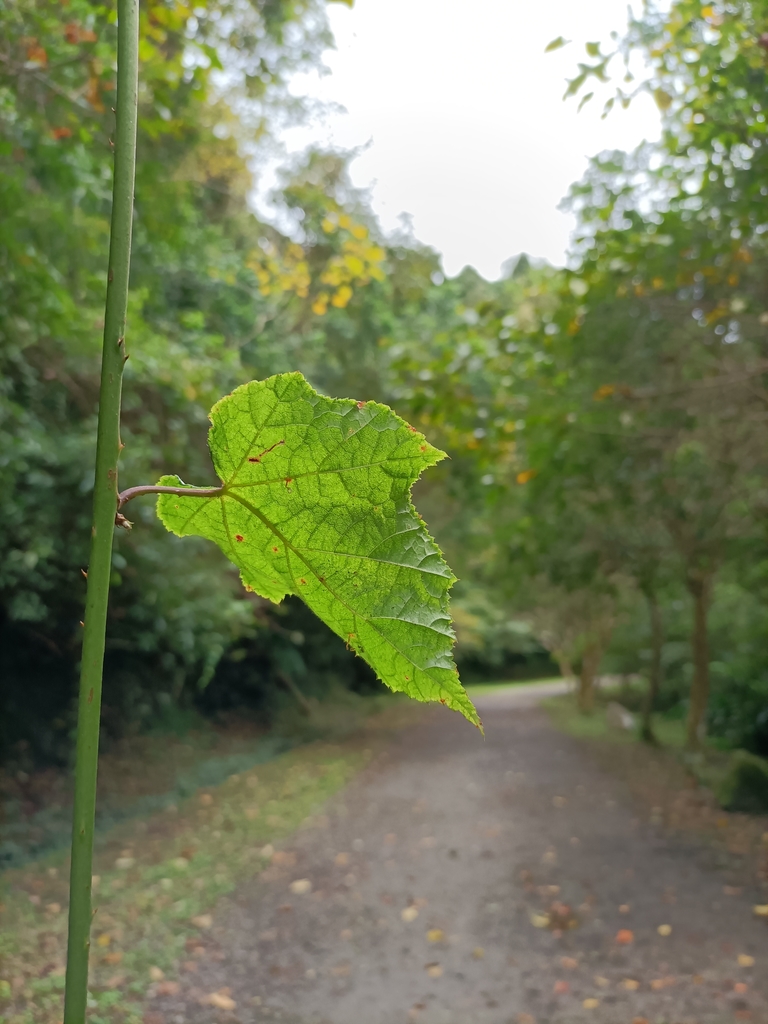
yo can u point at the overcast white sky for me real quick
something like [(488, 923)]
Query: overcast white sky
[(463, 118)]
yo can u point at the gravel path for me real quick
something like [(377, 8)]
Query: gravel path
[(467, 881)]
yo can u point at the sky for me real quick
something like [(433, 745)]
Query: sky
[(460, 119)]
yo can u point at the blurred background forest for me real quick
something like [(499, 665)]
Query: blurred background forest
[(605, 502)]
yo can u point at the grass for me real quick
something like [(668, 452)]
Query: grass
[(158, 877), (479, 689), (565, 714), (709, 766)]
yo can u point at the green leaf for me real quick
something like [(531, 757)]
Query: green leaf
[(556, 44), (593, 49), (316, 501)]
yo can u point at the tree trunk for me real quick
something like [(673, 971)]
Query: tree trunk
[(564, 664), (699, 587), (590, 662), (654, 682)]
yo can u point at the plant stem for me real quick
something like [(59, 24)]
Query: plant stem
[(104, 505)]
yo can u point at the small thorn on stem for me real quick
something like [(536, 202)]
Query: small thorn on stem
[(122, 522), (85, 573)]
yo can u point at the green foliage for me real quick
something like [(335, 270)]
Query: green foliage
[(316, 502), (745, 787)]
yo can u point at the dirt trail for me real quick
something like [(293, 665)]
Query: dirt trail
[(429, 875)]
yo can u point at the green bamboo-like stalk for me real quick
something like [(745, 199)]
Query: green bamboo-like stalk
[(104, 508)]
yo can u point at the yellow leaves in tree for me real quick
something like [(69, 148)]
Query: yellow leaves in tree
[(525, 476), (342, 297), (356, 262), (320, 305)]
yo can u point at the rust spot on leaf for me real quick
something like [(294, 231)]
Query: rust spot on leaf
[(304, 582), (422, 448), (360, 405), (90, 696), (239, 537), (443, 700), (413, 430), (275, 549)]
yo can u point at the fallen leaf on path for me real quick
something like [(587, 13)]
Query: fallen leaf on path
[(745, 960), (601, 982), (561, 988), (591, 1004), (434, 970), (664, 930), (478, 952), (540, 920), (202, 921), (550, 857), (167, 988), (221, 1000), (284, 858), (630, 984), (409, 914), (740, 988), (112, 958), (660, 983), (435, 935), (301, 886), (760, 910), (104, 940), (205, 799), (569, 963), (341, 860), (156, 974), (624, 937), (267, 851), (624, 908), (53, 908), (124, 863)]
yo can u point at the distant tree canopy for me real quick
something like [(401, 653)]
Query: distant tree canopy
[(606, 494)]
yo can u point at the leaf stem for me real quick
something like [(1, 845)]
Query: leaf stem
[(102, 531), (185, 492)]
